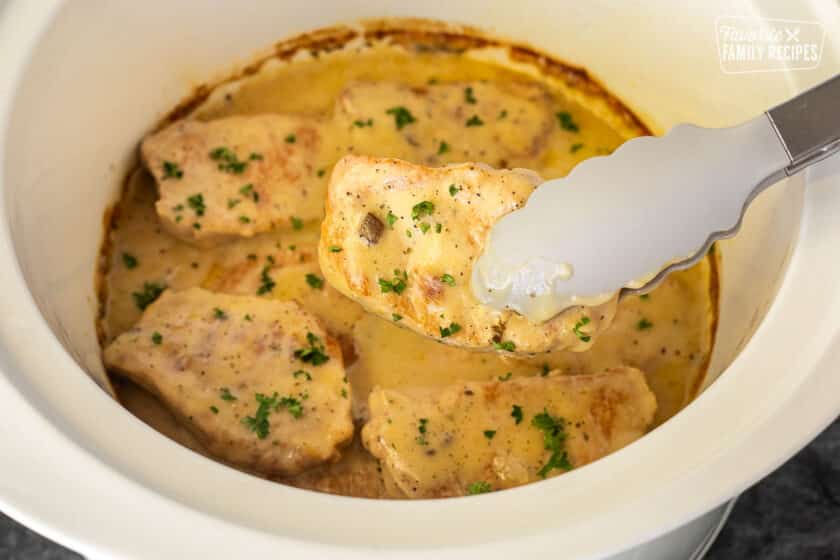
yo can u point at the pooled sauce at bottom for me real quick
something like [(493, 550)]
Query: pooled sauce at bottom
[(668, 334)]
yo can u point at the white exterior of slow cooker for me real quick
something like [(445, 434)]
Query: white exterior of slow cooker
[(81, 82)]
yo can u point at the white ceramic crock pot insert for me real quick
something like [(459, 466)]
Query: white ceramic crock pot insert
[(81, 82)]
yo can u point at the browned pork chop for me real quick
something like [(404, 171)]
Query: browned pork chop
[(474, 437), (236, 176), (401, 240), (257, 381)]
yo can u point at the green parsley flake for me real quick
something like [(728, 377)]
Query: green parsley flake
[(255, 156), (402, 116), (248, 191), (644, 324), (245, 219), (438, 227), (225, 395), (575, 147), (421, 209), (450, 330), (489, 434), (396, 317), (293, 405), (258, 423), (474, 121), (391, 218), (314, 354), (297, 223), (479, 487), (196, 202), (447, 279), (228, 161), (266, 282), (453, 190), (506, 376), (232, 202), (171, 170), (554, 438), (469, 97), (290, 139), (506, 345), (301, 373), (644, 297), (214, 409), (545, 370), (443, 148), (129, 260), (151, 291), (219, 314), (578, 332), (363, 124), (516, 413), (502, 114), (421, 427), (397, 285), (335, 249), (566, 121), (157, 338), (314, 281)]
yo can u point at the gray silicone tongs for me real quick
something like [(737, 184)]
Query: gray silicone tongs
[(621, 223)]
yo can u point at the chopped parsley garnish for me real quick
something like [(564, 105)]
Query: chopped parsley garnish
[(363, 124), (157, 338), (248, 190), (344, 392), (502, 114), (214, 409), (516, 413), (443, 148), (474, 121), (196, 202), (566, 121), (579, 333), (425, 227), (258, 423), (297, 223), (479, 487), (489, 434), (438, 227), (314, 281), (301, 373), (196, 225), (335, 249), (232, 202), (314, 354), (447, 279), (453, 190), (469, 97), (506, 376), (245, 219), (171, 170), (151, 291), (554, 438), (402, 116), (506, 345), (575, 147), (450, 330), (290, 139), (644, 324), (293, 405), (255, 156), (391, 218), (267, 283), (396, 317), (397, 285), (321, 172), (219, 313), (228, 161), (644, 297), (421, 427), (421, 209), (225, 394), (545, 370), (129, 260), (248, 317)]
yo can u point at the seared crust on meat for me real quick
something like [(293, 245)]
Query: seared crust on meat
[(436, 223), (208, 356), (437, 442), (252, 173)]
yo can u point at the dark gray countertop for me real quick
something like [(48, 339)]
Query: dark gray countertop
[(792, 514)]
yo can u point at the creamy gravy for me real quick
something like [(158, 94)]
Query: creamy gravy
[(668, 334)]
